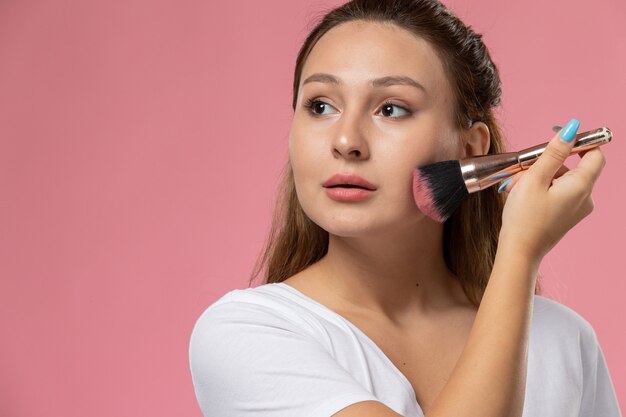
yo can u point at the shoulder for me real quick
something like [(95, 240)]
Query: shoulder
[(257, 315), (552, 314), (559, 325), (267, 301), (241, 322), (259, 344), (250, 306), (566, 354)]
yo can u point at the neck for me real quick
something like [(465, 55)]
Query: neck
[(397, 275)]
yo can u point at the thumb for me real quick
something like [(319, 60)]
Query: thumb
[(557, 151)]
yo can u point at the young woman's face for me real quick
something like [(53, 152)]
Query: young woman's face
[(373, 101)]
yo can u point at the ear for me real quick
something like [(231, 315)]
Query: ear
[(477, 139)]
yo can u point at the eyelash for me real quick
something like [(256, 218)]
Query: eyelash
[(310, 103)]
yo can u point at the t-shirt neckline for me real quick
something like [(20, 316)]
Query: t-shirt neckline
[(380, 352)]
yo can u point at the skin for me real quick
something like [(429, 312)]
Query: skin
[(385, 257), (382, 248)]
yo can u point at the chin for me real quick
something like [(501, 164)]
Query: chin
[(360, 221), (348, 232), (351, 227)]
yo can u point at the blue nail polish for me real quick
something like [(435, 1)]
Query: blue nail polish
[(500, 176), (569, 131), (503, 185)]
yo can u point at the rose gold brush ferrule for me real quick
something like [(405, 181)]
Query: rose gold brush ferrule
[(484, 171)]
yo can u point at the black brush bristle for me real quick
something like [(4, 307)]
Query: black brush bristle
[(443, 183)]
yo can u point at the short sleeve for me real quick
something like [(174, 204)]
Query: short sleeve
[(598, 397), (247, 360)]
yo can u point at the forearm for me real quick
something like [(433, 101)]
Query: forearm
[(489, 379)]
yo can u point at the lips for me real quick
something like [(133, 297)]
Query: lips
[(348, 181)]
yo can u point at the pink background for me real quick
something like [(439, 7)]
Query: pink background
[(140, 147)]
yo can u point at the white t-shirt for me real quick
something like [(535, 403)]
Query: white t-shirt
[(272, 351)]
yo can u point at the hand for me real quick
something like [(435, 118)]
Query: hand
[(548, 199)]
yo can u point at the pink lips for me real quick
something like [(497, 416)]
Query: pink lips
[(348, 187)]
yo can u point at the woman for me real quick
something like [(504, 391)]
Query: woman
[(369, 307)]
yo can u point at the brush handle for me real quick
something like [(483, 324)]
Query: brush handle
[(484, 171), (584, 141)]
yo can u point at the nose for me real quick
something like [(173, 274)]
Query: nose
[(350, 140)]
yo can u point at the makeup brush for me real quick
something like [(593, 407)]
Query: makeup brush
[(439, 188)]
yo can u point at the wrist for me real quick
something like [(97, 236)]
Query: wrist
[(521, 245), (515, 254)]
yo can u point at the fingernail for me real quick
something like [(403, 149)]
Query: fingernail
[(503, 185), (569, 131)]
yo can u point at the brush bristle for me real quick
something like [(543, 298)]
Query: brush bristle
[(439, 189)]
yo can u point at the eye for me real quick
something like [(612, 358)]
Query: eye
[(318, 108), (393, 111)]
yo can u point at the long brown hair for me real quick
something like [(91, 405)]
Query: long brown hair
[(471, 233)]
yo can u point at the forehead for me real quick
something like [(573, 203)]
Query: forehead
[(359, 51)]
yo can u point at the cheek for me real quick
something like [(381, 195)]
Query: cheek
[(297, 151), (414, 152), (399, 166), (305, 158), (451, 148), (308, 145), (440, 146)]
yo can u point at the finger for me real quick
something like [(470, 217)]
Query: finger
[(508, 184), (562, 171), (557, 151), (591, 164)]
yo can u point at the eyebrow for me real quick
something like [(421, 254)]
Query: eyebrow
[(376, 83)]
